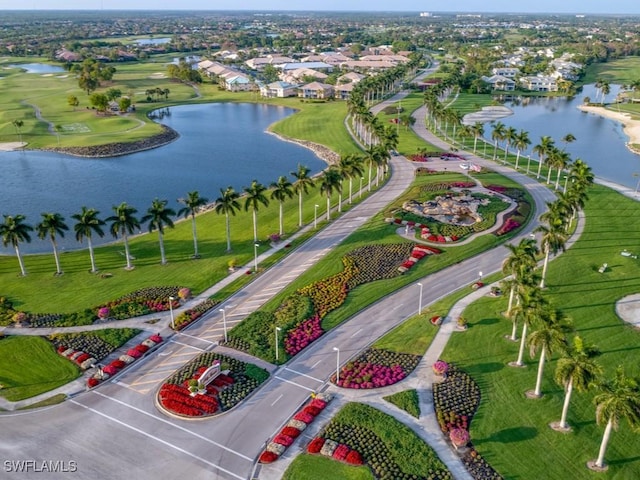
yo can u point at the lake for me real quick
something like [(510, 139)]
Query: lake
[(153, 41), (40, 68), (599, 141), (220, 144)]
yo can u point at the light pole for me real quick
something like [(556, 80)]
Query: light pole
[(224, 324), (255, 257), (420, 299), (173, 324), (480, 276), (566, 179), (337, 350), (277, 330), (315, 216)]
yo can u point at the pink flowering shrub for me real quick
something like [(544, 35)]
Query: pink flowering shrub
[(440, 367), (103, 312), (302, 335), (459, 437)]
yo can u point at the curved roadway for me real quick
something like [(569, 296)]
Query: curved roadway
[(115, 431)]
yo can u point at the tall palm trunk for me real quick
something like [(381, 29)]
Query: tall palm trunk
[(603, 444), (281, 223), (539, 168), (93, 260), (228, 231), (328, 208), (522, 341), (510, 304), (350, 190), (300, 209), (370, 168), (544, 265), (565, 405), (528, 163), (537, 391), (195, 236), (163, 259), (55, 256), (517, 159), (22, 270), (126, 250), (255, 226)]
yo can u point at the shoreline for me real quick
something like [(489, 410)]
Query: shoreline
[(323, 153), (630, 126)]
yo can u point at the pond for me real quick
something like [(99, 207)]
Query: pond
[(38, 68), (599, 141), (153, 41), (220, 144)]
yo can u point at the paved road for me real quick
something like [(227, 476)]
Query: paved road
[(115, 431)]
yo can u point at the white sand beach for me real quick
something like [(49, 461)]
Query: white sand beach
[(631, 127), (9, 146)]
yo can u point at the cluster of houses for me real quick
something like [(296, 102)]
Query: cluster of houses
[(304, 77), (508, 77)]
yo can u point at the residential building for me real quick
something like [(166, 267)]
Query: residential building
[(279, 90), (498, 82), (316, 90), (539, 83)]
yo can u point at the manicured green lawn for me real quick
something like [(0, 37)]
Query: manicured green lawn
[(509, 428), (623, 70), (41, 369), (316, 467), (406, 400)]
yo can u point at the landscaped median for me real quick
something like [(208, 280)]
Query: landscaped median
[(185, 394), (362, 435)]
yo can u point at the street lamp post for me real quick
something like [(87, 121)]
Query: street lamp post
[(173, 324), (420, 299), (480, 276), (315, 216), (277, 330), (224, 324), (255, 257), (566, 179), (337, 350)]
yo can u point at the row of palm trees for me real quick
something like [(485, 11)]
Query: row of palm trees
[(159, 216), (577, 368)]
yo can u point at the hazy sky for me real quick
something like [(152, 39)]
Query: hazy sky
[(551, 6)]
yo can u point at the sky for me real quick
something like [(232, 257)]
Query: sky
[(537, 6)]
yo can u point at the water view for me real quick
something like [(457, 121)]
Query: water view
[(599, 141), (38, 68), (153, 41), (220, 144)]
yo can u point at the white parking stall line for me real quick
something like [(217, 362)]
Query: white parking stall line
[(356, 333), (303, 374), (187, 345), (276, 400), (316, 364), (164, 442), (294, 383), (191, 336)]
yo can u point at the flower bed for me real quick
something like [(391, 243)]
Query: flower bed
[(509, 224), (192, 314), (294, 427), (370, 448), (302, 335), (226, 391), (96, 344), (116, 365), (140, 302), (80, 358), (375, 368), (417, 253)]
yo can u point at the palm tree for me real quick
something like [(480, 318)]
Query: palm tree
[(18, 124), (548, 337), (124, 223), (159, 216), (52, 224), (519, 264), (14, 231), (554, 236), (301, 185), (605, 89), (567, 139), (478, 131), (282, 189), (330, 181), (351, 167), (510, 136), (542, 149), (521, 142), (561, 162), (192, 204), (228, 204), (577, 369), (619, 399), (255, 196), (531, 305), (87, 223), (373, 155), (497, 134)]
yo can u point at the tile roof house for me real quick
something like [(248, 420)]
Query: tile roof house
[(539, 83), (316, 90), (279, 90), (498, 82)]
